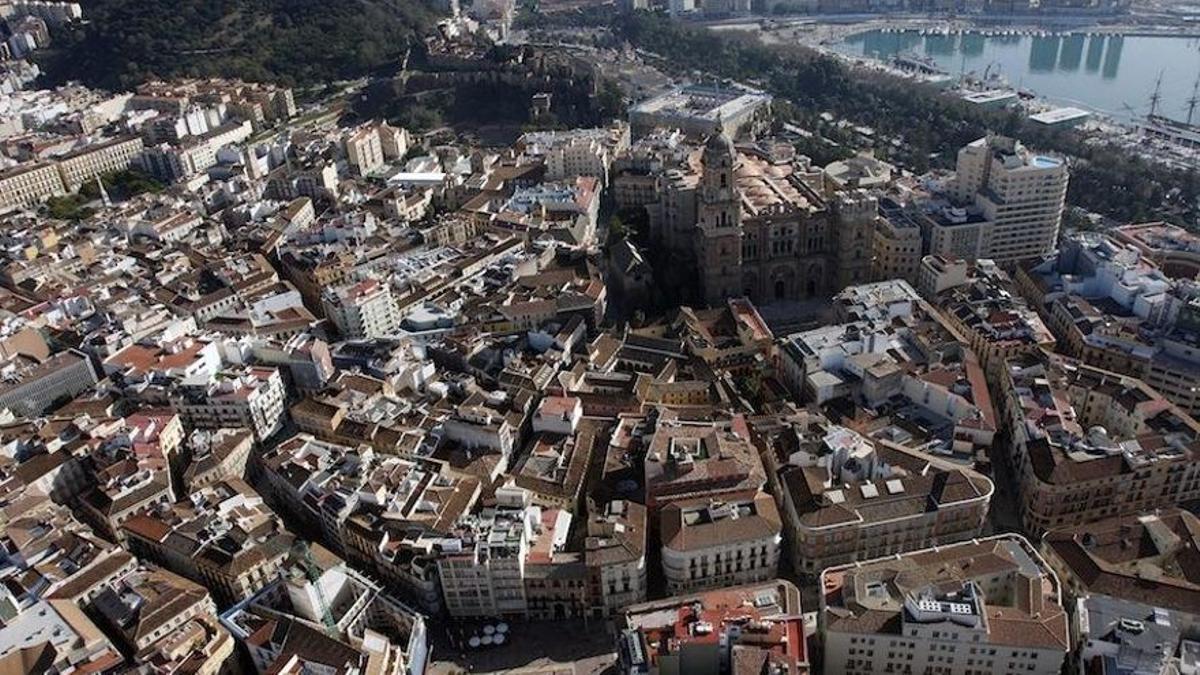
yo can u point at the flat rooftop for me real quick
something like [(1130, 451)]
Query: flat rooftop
[(703, 103)]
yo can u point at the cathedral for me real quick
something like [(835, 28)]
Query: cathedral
[(755, 222)]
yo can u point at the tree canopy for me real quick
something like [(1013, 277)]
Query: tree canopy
[(124, 42)]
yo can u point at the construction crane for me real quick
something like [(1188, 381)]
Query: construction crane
[(313, 573)]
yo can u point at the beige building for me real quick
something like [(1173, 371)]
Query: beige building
[(753, 221), (711, 542), (897, 244), (394, 141), (847, 497), (997, 323), (981, 607), (1020, 193), (1088, 444), (234, 565), (615, 554), (938, 274), (1097, 559), (152, 609), (364, 150), (86, 163), (28, 185), (700, 460)]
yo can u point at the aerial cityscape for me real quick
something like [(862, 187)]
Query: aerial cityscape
[(583, 337)]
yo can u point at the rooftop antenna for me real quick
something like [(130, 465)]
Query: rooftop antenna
[(1156, 97), (1194, 100)]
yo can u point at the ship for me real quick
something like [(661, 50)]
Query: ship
[(918, 64), (1172, 131), (1163, 128)]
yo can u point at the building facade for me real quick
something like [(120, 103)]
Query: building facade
[(711, 543), (754, 223), (1021, 195), (363, 310), (980, 607)]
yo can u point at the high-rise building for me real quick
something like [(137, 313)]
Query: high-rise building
[(1020, 194)]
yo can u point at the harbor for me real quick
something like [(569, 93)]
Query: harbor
[(1138, 88), (1107, 74)]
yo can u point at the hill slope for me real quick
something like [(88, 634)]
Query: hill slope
[(124, 42)]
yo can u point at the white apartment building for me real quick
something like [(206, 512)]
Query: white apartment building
[(253, 398), (578, 152), (363, 310), (1020, 193), (938, 274), (579, 157), (976, 608), (486, 576), (364, 150), (709, 544)]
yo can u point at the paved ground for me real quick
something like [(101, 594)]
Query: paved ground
[(1005, 513), (789, 316), (538, 648)]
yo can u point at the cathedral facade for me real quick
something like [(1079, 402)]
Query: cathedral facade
[(754, 222)]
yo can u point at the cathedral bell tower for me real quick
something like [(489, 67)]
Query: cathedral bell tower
[(719, 216)]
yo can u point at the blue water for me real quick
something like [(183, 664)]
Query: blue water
[(1107, 74)]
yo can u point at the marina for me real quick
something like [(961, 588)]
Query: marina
[(1112, 75)]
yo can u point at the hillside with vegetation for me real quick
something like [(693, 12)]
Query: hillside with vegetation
[(298, 42)]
